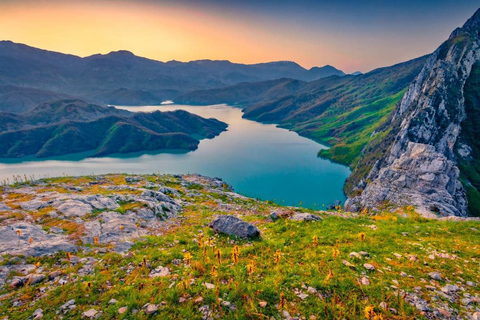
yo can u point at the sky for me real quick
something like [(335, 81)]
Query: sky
[(357, 35)]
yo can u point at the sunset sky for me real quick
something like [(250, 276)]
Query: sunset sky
[(350, 35)]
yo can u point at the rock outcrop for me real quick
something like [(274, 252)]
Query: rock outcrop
[(420, 167), (235, 227)]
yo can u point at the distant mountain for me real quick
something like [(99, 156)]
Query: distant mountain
[(71, 126), (243, 93), (122, 78), (20, 99), (356, 73)]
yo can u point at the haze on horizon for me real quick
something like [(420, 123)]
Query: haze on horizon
[(350, 35)]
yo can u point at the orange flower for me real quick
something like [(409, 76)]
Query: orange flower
[(278, 256), (283, 301), (187, 258), (250, 267)]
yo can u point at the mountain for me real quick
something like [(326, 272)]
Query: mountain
[(122, 78), (243, 93), (429, 154), (20, 99), (71, 126)]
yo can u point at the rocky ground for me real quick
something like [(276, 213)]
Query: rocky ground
[(188, 247)]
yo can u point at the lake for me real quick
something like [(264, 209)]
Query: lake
[(258, 160)]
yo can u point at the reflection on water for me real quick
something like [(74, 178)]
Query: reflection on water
[(259, 160)]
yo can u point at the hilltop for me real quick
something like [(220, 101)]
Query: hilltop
[(122, 247)]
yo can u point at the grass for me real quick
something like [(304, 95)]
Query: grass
[(265, 276)]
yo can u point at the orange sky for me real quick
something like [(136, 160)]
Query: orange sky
[(165, 31)]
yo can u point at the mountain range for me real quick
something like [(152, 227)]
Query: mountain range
[(123, 78)]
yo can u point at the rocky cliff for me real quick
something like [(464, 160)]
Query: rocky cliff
[(420, 166)]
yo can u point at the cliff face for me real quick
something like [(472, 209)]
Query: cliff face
[(420, 166)]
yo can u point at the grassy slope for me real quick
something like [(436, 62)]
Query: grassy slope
[(340, 295), (342, 112)]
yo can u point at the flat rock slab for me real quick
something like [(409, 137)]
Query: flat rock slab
[(43, 243), (235, 227)]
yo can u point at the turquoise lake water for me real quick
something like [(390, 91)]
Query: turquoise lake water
[(258, 160)]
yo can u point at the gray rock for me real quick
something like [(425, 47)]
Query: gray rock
[(67, 305), (151, 308), (334, 205), (74, 208), (90, 313), (159, 272), (43, 243), (364, 281), (55, 274), (305, 217), (34, 204), (35, 278), (450, 288), (369, 267), (234, 226), (355, 255), (435, 276), (37, 314)]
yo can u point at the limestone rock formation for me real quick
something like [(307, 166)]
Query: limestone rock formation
[(420, 167)]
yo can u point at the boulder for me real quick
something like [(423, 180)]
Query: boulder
[(234, 226), (305, 217)]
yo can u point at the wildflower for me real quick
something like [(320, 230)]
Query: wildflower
[(278, 256), (19, 232), (369, 312), (362, 236), (214, 272), (283, 301), (236, 249), (187, 258), (315, 241), (335, 253), (235, 256), (218, 255), (30, 240), (250, 267), (38, 264), (95, 240), (121, 228), (329, 275), (378, 317), (69, 256)]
